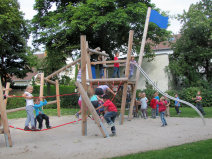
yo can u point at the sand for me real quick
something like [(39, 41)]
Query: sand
[(134, 136)]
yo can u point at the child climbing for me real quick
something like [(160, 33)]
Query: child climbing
[(198, 101), (162, 109), (29, 108), (101, 90), (116, 66), (40, 114), (110, 113)]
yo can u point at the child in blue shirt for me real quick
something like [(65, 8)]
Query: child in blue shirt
[(40, 114)]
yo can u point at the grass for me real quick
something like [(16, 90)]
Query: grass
[(196, 150)]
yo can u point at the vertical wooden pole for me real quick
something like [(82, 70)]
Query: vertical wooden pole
[(123, 103), (3, 113), (88, 59), (140, 60), (7, 93), (58, 97), (105, 70), (83, 79), (41, 86)]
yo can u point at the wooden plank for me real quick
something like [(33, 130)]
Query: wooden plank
[(107, 80), (50, 81), (1, 131), (83, 79), (58, 98), (63, 68), (23, 108), (41, 86), (108, 62), (5, 124), (7, 92), (104, 65), (140, 61), (124, 96), (120, 65), (92, 109), (97, 52)]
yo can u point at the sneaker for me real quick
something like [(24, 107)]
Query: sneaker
[(111, 124), (26, 128), (113, 134), (166, 124), (163, 125), (48, 127), (77, 115), (34, 128)]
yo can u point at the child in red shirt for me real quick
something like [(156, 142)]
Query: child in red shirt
[(153, 105), (116, 66), (162, 108), (110, 113)]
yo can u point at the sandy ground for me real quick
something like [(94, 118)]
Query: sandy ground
[(134, 136)]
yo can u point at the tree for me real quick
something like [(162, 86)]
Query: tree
[(106, 23), (14, 54), (191, 62)]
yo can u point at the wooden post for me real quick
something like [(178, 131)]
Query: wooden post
[(123, 103), (41, 86), (7, 92), (92, 109), (88, 59), (104, 66), (3, 113), (58, 98), (83, 79), (140, 61)]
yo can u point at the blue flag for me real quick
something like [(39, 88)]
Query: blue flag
[(158, 19)]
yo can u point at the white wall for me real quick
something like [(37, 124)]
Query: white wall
[(156, 71)]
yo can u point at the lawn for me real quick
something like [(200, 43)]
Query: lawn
[(196, 150)]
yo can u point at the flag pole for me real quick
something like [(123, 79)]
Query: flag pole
[(140, 61)]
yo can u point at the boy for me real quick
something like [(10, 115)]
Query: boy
[(110, 113), (39, 113), (177, 104), (116, 66)]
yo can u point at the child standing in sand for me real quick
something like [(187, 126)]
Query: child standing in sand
[(162, 109), (29, 108)]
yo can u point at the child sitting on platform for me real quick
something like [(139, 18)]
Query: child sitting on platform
[(40, 114), (110, 113)]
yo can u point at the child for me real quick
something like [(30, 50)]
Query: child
[(157, 106), (153, 105), (101, 90), (80, 104), (162, 109), (177, 104), (79, 75), (144, 101), (116, 66), (29, 108), (110, 113), (198, 101), (167, 106), (39, 113), (101, 68), (132, 66)]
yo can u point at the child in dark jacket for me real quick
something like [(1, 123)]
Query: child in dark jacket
[(110, 113), (40, 114), (162, 109)]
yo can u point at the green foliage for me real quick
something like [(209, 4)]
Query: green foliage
[(191, 62), (15, 57), (106, 24)]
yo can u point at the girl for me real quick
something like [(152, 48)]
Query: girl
[(162, 109), (144, 101), (29, 108)]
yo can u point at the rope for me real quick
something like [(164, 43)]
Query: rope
[(46, 129), (116, 92)]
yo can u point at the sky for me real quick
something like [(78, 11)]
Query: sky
[(173, 7)]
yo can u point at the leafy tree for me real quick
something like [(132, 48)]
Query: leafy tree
[(106, 24), (191, 63), (14, 54)]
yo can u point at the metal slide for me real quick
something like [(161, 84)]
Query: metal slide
[(168, 96)]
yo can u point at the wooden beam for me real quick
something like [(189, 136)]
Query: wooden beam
[(120, 65), (24, 108), (97, 52), (108, 62), (7, 92), (58, 98), (41, 86), (63, 68), (83, 79), (140, 61), (107, 80), (50, 81), (5, 124), (1, 131), (91, 109), (124, 95)]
